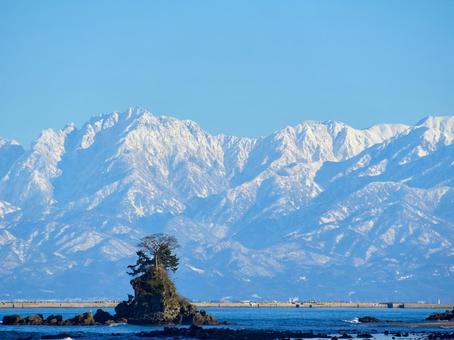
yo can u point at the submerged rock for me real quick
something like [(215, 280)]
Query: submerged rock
[(371, 319), (345, 336), (366, 319)]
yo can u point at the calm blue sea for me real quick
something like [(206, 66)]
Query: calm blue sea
[(331, 321)]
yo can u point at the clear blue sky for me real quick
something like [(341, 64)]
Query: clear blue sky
[(239, 67)]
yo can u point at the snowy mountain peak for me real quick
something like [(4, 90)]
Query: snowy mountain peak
[(5, 142), (316, 141), (136, 111), (10, 151), (440, 129), (443, 122)]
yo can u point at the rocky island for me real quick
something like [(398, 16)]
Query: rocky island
[(155, 301)]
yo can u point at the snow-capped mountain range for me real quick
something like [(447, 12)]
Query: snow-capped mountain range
[(317, 210)]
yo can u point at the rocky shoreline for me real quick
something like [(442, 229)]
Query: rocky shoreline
[(85, 319), (195, 318), (101, 317), (197, 332), (446, 316)]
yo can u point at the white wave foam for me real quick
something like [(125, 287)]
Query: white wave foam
[(354, 320)]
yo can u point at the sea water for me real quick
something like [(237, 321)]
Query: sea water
[(320, 320)]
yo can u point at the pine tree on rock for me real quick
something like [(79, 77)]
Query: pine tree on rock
[(156, 250), (156, 300)]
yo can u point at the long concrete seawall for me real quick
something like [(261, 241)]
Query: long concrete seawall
[(113, 303)]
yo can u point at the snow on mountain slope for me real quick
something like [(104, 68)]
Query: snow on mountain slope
[(278, 176), (10, 151), (384, 215), (6, 208), (304, 206), (28, 182), (421, 156)]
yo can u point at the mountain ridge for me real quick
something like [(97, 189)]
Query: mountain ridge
[(304, 205)]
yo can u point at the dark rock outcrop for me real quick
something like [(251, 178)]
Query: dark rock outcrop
[(124, 308), (157, 302), (196, 332), (85, 319), (18, 320), (103, 317), (12, 319), (446, 316), (366, 319), (34, 320), (371, 319), (203, 318), (55, 320), (61, 336)]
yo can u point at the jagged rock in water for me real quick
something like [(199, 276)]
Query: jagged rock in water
[(11, 320), (448, 315), (85, 319), (124, 308), (54, 320), (18, 320), (156, 301), (203, 318), (34, 320), (102, 316)]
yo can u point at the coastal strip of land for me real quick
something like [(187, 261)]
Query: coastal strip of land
[(327, 304), (113, 303)]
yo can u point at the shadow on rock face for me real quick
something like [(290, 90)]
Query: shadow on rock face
[(156, 301)]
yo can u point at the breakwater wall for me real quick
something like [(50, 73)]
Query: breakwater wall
[(113, 303)]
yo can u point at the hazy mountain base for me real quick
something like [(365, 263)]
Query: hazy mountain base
[(330, 284), (319, 210)]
